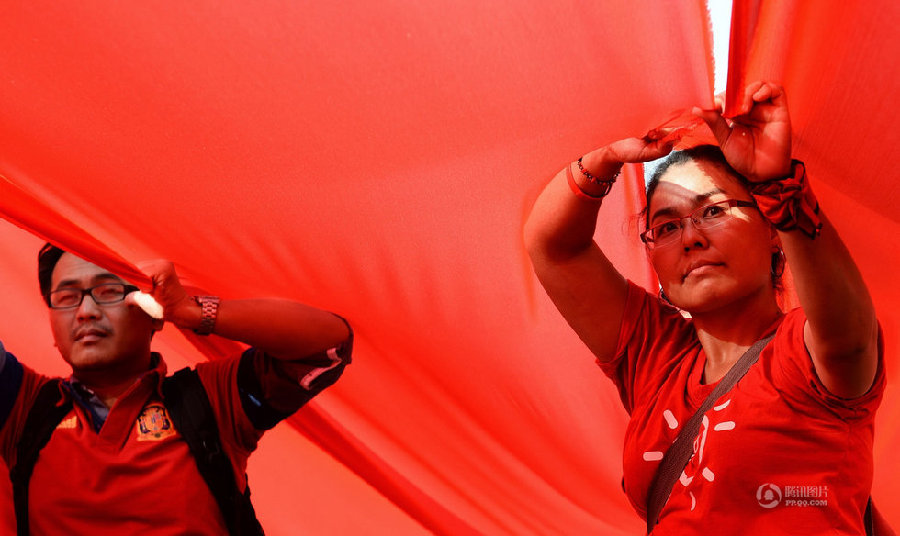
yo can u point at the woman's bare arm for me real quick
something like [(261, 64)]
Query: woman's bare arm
[(841, 333), (583, 284)]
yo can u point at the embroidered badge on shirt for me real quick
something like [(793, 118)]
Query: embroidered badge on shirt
[(68, 424), (153, 424)]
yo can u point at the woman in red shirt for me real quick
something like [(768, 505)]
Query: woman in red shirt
[(788, 449)]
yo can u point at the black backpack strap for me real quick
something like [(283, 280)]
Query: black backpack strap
[(262, 415), (48, 410), (868, 519), (11, 374), (187, 403)]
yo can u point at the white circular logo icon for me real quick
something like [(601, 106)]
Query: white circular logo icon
[(768, 495)]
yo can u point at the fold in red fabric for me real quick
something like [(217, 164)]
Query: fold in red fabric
[(377, 160)]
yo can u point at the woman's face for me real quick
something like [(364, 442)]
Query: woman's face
[(705, 269)]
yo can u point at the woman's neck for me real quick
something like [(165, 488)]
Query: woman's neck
[(727, 332)]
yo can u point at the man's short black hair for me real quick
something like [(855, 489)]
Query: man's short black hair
[(47, 259)]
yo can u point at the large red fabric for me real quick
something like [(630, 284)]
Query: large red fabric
[(378, 160)]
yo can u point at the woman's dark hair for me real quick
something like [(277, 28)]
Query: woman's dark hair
[(701, 153), (47, 259)]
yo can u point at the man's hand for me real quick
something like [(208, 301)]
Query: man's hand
[(757, 144), (178, 306)]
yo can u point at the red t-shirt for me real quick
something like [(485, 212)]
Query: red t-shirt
[(778, 454), (136, 475)]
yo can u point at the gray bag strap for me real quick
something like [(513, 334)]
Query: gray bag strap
[(678, 455)]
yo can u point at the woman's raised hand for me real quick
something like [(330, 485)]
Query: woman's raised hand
[(644, 149), (757, 143), (605, 161)]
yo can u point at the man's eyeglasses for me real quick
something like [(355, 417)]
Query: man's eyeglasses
[(705, 217), (103, 294)]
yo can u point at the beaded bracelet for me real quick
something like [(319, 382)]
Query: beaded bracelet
[(605, 184), (581, 193), (596, 180)]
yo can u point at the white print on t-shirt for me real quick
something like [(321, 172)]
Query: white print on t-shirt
[(699, 448)]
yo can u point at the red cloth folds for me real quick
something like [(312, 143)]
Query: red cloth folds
[(28, 212), (373, 159), (376, 159)]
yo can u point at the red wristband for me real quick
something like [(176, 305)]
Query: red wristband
[(788, 202), (581, 193)]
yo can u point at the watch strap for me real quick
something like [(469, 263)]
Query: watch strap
[(209, 311)]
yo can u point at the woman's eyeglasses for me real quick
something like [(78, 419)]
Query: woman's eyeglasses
[(705, 217)]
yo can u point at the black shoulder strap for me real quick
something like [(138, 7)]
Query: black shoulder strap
[(678, 455), (875, 523), (867, 519), (46, 413), (188, 405)]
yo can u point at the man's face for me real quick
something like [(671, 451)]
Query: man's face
[(96, 338)]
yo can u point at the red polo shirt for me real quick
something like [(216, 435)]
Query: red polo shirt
[(136, 475)]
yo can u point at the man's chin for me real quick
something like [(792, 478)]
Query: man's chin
[(89, 361)]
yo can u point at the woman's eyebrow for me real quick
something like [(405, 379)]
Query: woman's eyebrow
[(665, 211), (698, 199), (703, 197)]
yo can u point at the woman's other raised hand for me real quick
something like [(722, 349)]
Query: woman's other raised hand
[(756, 143)]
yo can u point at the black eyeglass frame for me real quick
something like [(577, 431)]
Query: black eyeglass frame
[(732, 203), (126, 290)]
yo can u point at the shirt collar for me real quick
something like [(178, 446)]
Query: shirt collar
[(85, 397), (155, 375)]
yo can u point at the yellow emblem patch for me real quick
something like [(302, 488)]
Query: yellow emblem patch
[(68, 424), (153, 424)]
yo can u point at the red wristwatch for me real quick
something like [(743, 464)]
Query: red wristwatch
[(209, 311)]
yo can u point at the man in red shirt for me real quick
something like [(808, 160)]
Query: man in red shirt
[(115, 464)]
